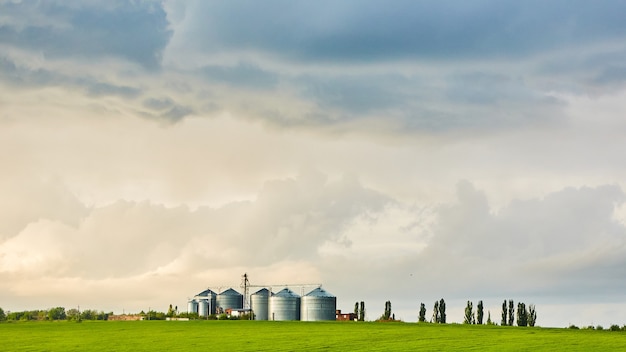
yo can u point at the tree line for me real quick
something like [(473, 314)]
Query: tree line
[(56, 313)]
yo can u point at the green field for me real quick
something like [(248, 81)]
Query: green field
[(295, 336)]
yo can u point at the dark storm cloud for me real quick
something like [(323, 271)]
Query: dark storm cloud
[(135, 31), (376, 30)]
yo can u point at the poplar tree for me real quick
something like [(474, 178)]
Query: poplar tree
[(422, 316), (479, 312), (504, 321), (522, 314), (436, 317), (362, 312), (387, 313), (511, 313), (469, 313), (356, 309), (442, 311), (532, 315)]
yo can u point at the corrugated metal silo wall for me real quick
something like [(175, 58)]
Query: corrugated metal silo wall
[(228, 300), (284, 308), (259, 303), (203, 308), (192, 307), (316, 308)]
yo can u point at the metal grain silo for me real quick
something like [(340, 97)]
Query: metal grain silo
[(203, 308), (259, 303), (284, 305), (230, 299), (192, 306), (210, 296), (318, 305)]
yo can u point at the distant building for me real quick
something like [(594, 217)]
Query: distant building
[(125, 317), (344, 316), (233, 312)]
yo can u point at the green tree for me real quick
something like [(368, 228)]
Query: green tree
[(489, 322), (387, 313), (480, 312), (511, 313), (436, 317), (3, 316), (356, 310), (469, 313), (442, 311), (522, 314), (72, 314), (362, 312), (532, 315), (170, 312), (57, 313), (504, 320), (422, 316)]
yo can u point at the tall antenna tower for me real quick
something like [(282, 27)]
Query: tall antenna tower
[(245, 284)]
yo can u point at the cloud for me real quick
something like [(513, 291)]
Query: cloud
[(242, 75), (288, 221), (134, 31), (373, 31), (29, 78)]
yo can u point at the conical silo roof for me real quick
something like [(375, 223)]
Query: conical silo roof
[(263, 292), (230, 292), (285, 292), (319, 292), (206, 293)]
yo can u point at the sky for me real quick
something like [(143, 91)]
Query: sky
[(405, 151)]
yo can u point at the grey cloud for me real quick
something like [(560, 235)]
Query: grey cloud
[(243, 75), (357, 94), (26, 78), (166, 109), (158, 104), (555, 243), (176, 113), (589, 71), (26, 200), (103, 89), (465, 99), (373, 30), (135, 31)]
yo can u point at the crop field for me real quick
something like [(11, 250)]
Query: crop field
[(295, 336)]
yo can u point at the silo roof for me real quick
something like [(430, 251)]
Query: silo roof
[(319, 292), (262, 291), (285, 292), (206, 293), (230, 292)]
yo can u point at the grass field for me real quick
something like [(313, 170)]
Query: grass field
[(295, 336)]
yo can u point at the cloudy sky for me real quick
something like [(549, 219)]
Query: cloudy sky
[(403, 151)]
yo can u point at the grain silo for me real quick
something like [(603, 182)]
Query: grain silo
[(192, 306), (259, 303), (318, 305), (210, 297), (203, 308), (230, 299), (284, 305)]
